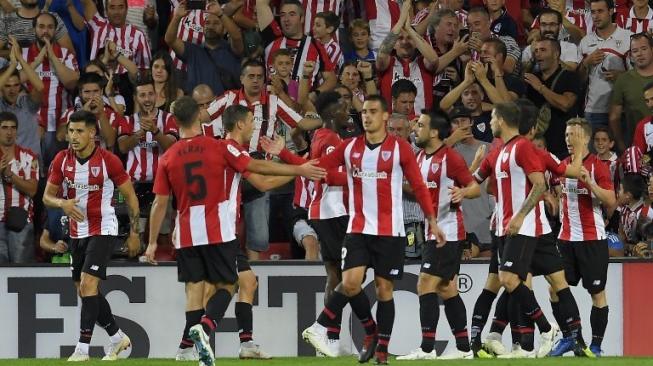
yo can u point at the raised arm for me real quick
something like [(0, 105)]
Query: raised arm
[(170, 37), (89, 9), (429, 54), (67, 76), (234, 32), (78, 20), (388, 44), (264, 15), (452, 97)]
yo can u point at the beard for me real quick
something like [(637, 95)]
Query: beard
[(421, 144)]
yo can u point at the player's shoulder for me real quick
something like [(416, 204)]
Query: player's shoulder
[(27, 151)]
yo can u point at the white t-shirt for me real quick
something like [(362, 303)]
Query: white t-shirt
[(616, 48), (569, 53)]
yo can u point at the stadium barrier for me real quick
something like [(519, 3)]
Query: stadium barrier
[(40, 309)]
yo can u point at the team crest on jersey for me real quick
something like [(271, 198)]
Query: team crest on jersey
[(386, 155), (481, 127), (95, 170), (618, 43), (435, 167)]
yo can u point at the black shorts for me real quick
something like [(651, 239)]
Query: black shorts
[(516, 254), (242, 262), (494, 260), (383, 253), (587, 260), (546, 259), (332, 235), (92, 255), (211, 263), (441, 262)]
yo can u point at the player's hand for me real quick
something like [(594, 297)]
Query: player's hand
[(584, 176), (469, 73), (515, 225), (480, 70), (148, 257), (435, 230), (133, 244), (60, 247), (311, 171), (272, 147), (71, 210), (457, 194)]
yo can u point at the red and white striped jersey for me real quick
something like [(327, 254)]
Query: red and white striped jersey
[(268, 112), (632, 23), (143, 159), (374, 181), (382, 16), (130, 42), (115, 120), (304, 189), (56, 98), (25, 165), (194, 171), (335, 53), (312, 7), (92, 181), (612, 163), (191, 29), (301, 50), (630, 217), (328, 201), (514, 163), (581, 214), (441, 171), (643, 137), (413, 70), (232, 180)]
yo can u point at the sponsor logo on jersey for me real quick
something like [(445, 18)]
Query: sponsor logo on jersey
[(363, 174), (431, 185), (81, 186)]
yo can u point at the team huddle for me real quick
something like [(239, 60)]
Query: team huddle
[(356, 210)]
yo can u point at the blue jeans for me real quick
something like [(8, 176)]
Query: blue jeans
[(17, 247), (597, 119), (257, 221)]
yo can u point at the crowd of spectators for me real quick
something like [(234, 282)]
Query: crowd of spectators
[(126, 61)]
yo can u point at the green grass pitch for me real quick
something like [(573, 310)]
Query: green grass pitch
[(297, 361)]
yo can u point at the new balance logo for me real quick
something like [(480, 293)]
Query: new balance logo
[(508, 264), (426, 265), (95, 267), (394, 272), (596, 283)]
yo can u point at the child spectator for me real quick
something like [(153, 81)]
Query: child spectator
[(324, 30), (359, 35), (603, 144)]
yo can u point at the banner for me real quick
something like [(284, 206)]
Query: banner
[(40, 309)]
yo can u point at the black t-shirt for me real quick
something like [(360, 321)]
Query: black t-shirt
[(481, 129), (514, 84), (555, 134)]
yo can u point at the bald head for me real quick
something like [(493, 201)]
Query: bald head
[(203, 96)]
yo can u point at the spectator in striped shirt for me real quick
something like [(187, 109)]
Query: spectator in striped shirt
[(324, 30), (20, 173)]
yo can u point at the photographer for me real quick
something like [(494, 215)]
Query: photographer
[(54, 239)]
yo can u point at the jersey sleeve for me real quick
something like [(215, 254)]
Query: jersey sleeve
[(336, 158), (324, 57), (286, 114), (551, 164), (485, 169), (602, 176), (170, 127), (143, 55), (236, 157), (125, 127), (115, 170), (638, 137), (414, 177), (161, 180), (524, 157), (217, 107), (55, 172), (457, 164)]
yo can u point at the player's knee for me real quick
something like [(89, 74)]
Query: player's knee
[(599, 299), (247, 283), (87, 288), (350, 288), (384, 290), (426, 284), (553, 294), (509, 281)]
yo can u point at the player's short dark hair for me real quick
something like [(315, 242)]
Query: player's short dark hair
[(8, 116), (509, 112), (232, 115), (547, 11), (527, 115), (81, 115), (479, 10), (89, 78), (36, 19), (380, 99), (403, 86), (634, 184), (609, 3), (298, 4), (498, 45), (554, 43), (185, 110), (603, 129), (146, 80), (251, 63), (439, 121), (326, 100), (330, 19)]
